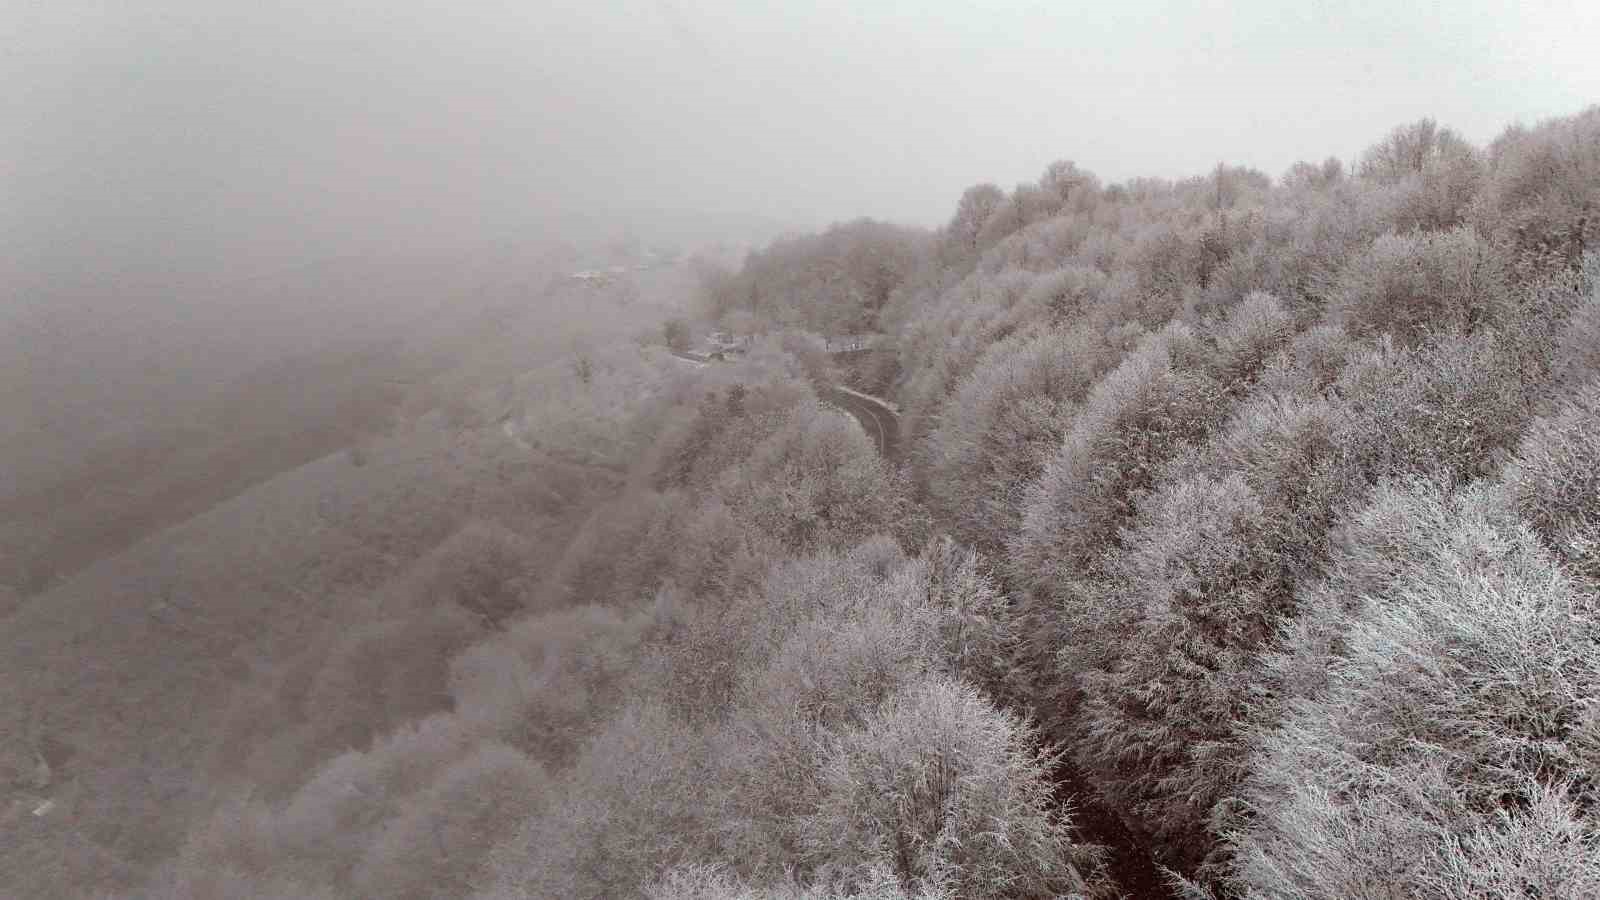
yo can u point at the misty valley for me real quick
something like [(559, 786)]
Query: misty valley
[(444, 455)]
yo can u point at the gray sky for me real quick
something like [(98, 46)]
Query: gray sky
[(177, 128)]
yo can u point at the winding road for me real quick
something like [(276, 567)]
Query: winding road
[(878, 420)]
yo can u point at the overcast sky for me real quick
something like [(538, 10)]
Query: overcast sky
[(187, 127)]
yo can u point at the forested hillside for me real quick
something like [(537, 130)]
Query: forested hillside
[(1290, 488), (275, 534), (1279, 504), (1242, 539)]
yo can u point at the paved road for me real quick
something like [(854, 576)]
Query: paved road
[(880, 422)]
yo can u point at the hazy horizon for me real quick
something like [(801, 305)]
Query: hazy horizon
[(184, 130)]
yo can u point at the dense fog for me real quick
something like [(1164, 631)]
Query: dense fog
[(153, 137), (765, 451)]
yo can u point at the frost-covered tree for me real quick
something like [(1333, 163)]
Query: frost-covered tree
[(1553, 482), (1457, 406), (977, 204), (439, 841), (631, 806), (1408, 150), (1003, 421), (1543, 188), (1202, 575), (947, 793), (1136, 418), (1412, 285), (1453, 741)]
